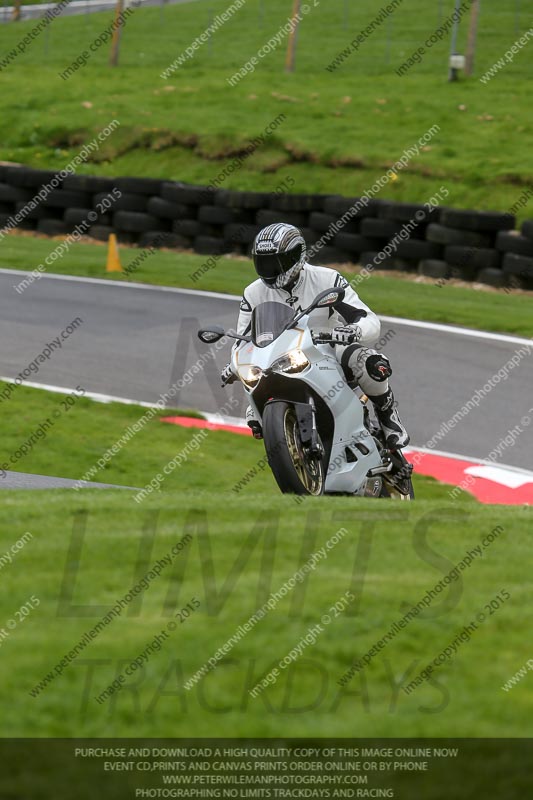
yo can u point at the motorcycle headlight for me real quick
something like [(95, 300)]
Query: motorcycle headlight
[(295, 361), (250, 375)]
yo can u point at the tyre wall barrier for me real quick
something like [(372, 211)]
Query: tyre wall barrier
[(444, 243)]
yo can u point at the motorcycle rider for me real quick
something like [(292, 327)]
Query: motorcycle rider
[(285, 276)]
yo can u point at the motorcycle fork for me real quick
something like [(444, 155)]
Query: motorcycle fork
[(316, 447), (306, 416)]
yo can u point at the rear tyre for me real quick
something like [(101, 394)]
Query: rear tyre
[(294, 470)]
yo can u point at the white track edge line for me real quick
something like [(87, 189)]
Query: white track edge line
[(436, 326), (122, 284), (97, 396), (476, 459), (412, 323), (237, 421)]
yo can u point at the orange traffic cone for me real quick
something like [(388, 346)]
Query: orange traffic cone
[(113, 259)]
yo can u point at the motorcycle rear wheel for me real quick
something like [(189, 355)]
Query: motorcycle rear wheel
[(295, 471)]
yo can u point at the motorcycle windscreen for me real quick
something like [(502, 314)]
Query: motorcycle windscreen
[(269, 320)]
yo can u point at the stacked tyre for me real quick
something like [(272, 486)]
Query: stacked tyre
[(405, 226), (377, 234), (517, 251), (470, 251), (335, 228)]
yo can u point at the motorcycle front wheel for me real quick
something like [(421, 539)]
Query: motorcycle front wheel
[(295, 471)]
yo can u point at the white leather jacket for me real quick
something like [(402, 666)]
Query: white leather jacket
[(311, 281)]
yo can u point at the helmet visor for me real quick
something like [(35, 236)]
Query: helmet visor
[(270, 265)]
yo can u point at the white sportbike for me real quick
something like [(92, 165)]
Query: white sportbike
[(318, 435)]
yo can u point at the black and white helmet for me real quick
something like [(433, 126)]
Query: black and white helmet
[(279, 254)]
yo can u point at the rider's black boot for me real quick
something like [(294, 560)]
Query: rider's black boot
[(395, 434)]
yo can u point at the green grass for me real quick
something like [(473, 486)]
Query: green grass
[(488, 310), (342, 129), (382, 560)]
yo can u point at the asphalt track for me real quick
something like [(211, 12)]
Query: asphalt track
[(136, 341), (25, 480)]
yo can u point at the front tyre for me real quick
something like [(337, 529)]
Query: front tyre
[(295, 470)]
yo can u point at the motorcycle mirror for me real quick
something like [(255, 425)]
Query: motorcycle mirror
[(211, 335), (329, 297), (322, 300)]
